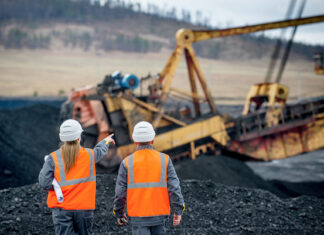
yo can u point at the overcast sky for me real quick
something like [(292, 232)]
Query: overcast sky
[(242, 12)]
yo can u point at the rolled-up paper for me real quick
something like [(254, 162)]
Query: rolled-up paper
[(56, 187), (58, 191)]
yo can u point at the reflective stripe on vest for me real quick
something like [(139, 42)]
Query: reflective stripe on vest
[(63, 181), (132, 183)]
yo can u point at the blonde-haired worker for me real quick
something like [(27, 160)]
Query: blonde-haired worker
[(71, 169)]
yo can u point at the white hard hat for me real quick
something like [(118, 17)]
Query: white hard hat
[(70, 130), (143, 132)]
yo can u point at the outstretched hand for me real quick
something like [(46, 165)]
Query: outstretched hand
[(109, 139)]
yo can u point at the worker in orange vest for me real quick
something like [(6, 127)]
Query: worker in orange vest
[(145, 180), (71, 169)]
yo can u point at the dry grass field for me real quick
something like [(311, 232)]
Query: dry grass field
[(50, 73)]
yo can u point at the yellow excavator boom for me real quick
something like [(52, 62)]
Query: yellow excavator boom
[(199, 35)]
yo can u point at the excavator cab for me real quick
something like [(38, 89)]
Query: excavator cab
[(319, 63)]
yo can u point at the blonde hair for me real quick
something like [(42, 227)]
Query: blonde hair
[(70, 151)]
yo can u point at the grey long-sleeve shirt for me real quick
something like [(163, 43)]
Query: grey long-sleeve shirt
[(46, 174), (174, 190)]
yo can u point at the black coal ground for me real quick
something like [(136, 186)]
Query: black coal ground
[(214, 204), (233, 172), (27, 135), (211, 209)]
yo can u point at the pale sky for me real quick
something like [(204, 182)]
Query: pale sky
[(242, 12)]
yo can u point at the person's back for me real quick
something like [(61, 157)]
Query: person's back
[(69, 175), (145, 180), (78, 184), (146, 170)]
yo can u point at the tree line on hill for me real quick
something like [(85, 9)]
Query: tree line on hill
[(26, 16), (18, 38), (83, 11), (34, 12)]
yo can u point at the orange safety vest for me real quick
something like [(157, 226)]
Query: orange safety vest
[(147, 191), (78, 186)]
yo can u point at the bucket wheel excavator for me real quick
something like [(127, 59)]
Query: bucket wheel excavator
[(186, 129)]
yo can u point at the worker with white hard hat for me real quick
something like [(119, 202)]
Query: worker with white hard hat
[(69, 175), (145, 180)]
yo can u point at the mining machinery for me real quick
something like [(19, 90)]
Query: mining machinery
[(187, 129), (319, 63)]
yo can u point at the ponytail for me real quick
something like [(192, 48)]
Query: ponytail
[(70, 150)]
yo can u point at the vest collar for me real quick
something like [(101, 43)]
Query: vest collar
[(141, 147)]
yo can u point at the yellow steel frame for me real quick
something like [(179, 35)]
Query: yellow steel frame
[(199, 35), (135, 110), (319, 71), (319, 63), (185, 38), (214, 126), (168, 73), (188, 134), (274, 92)]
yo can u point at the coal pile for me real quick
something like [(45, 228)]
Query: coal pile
[(220, 169), (27, 135), (233, 172), (211, 209), (22, 102)]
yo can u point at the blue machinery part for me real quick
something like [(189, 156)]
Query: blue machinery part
[(129, 81)]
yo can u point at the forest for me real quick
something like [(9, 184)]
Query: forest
[(123, 26)]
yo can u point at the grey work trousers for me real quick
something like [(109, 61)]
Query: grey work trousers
[(68, 222), (148, 230)]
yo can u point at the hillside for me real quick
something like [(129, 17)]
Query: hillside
[(119, 26), (47, 43)]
